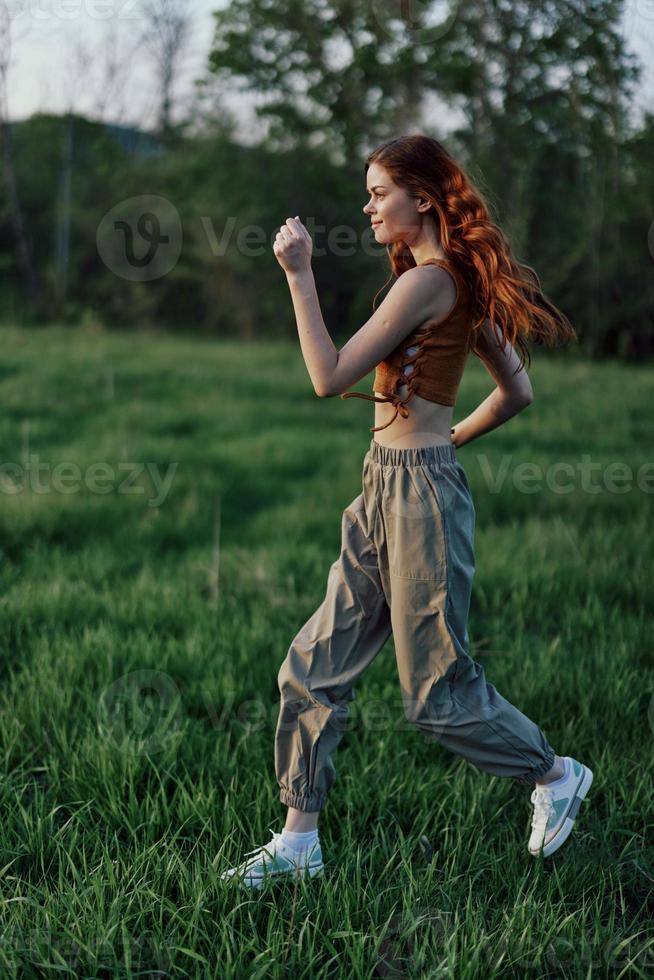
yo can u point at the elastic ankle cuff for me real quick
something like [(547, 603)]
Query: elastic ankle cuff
[(308, 802), (566, 773), (533, 775)]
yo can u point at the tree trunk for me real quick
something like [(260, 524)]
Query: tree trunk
[(23, 250), (62, 242)]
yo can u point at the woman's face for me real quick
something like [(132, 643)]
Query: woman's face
[(394, 215)]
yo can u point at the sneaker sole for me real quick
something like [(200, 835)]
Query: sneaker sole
[(564, 831)]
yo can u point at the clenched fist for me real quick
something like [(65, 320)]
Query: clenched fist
[(293, 246)]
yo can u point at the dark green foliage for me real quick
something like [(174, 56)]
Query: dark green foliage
[(544, 96)]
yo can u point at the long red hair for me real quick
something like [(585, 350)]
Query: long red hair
[(505, 291)]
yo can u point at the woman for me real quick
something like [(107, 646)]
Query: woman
[(407, 560)]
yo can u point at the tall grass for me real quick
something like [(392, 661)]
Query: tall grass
[(143, 627)]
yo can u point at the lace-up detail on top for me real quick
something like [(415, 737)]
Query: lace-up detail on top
[(437, 362)]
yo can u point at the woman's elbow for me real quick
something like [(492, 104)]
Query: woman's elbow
[(521, 388), (519, 397), (525, 397), (328, 388), (522, 392), (322, 391)]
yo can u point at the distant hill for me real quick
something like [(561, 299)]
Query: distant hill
[(135, 142)]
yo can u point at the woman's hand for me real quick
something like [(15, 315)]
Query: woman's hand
[(293, 246)]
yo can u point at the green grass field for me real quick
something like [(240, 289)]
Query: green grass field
[(154, 572)]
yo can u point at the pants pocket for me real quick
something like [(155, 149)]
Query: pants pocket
[(415, 528)]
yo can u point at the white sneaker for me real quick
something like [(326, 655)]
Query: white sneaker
[(276, 860), (555, 808)]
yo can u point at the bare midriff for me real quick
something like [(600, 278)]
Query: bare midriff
[(403, 419), (428, 424)]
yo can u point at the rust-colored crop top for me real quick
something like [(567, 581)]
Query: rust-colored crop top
[(437, 365)]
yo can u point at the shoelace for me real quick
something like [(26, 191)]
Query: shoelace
[(541, 797), (275, 837), (265, 847)]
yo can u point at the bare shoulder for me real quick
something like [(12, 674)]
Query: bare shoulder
[(439, 288)]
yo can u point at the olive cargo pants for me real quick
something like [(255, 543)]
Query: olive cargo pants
[(405, 567)]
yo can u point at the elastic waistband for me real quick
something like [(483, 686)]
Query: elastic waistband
[(388, 456)]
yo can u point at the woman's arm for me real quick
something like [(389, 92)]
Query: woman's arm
[(318, 350), (512, 394), (415, 294), (407, 305)]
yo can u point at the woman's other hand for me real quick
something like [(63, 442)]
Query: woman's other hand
[(293, 246)]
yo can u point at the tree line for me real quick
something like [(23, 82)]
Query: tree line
[(542, 102)]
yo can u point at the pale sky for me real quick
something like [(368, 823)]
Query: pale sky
[(48, 73)]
